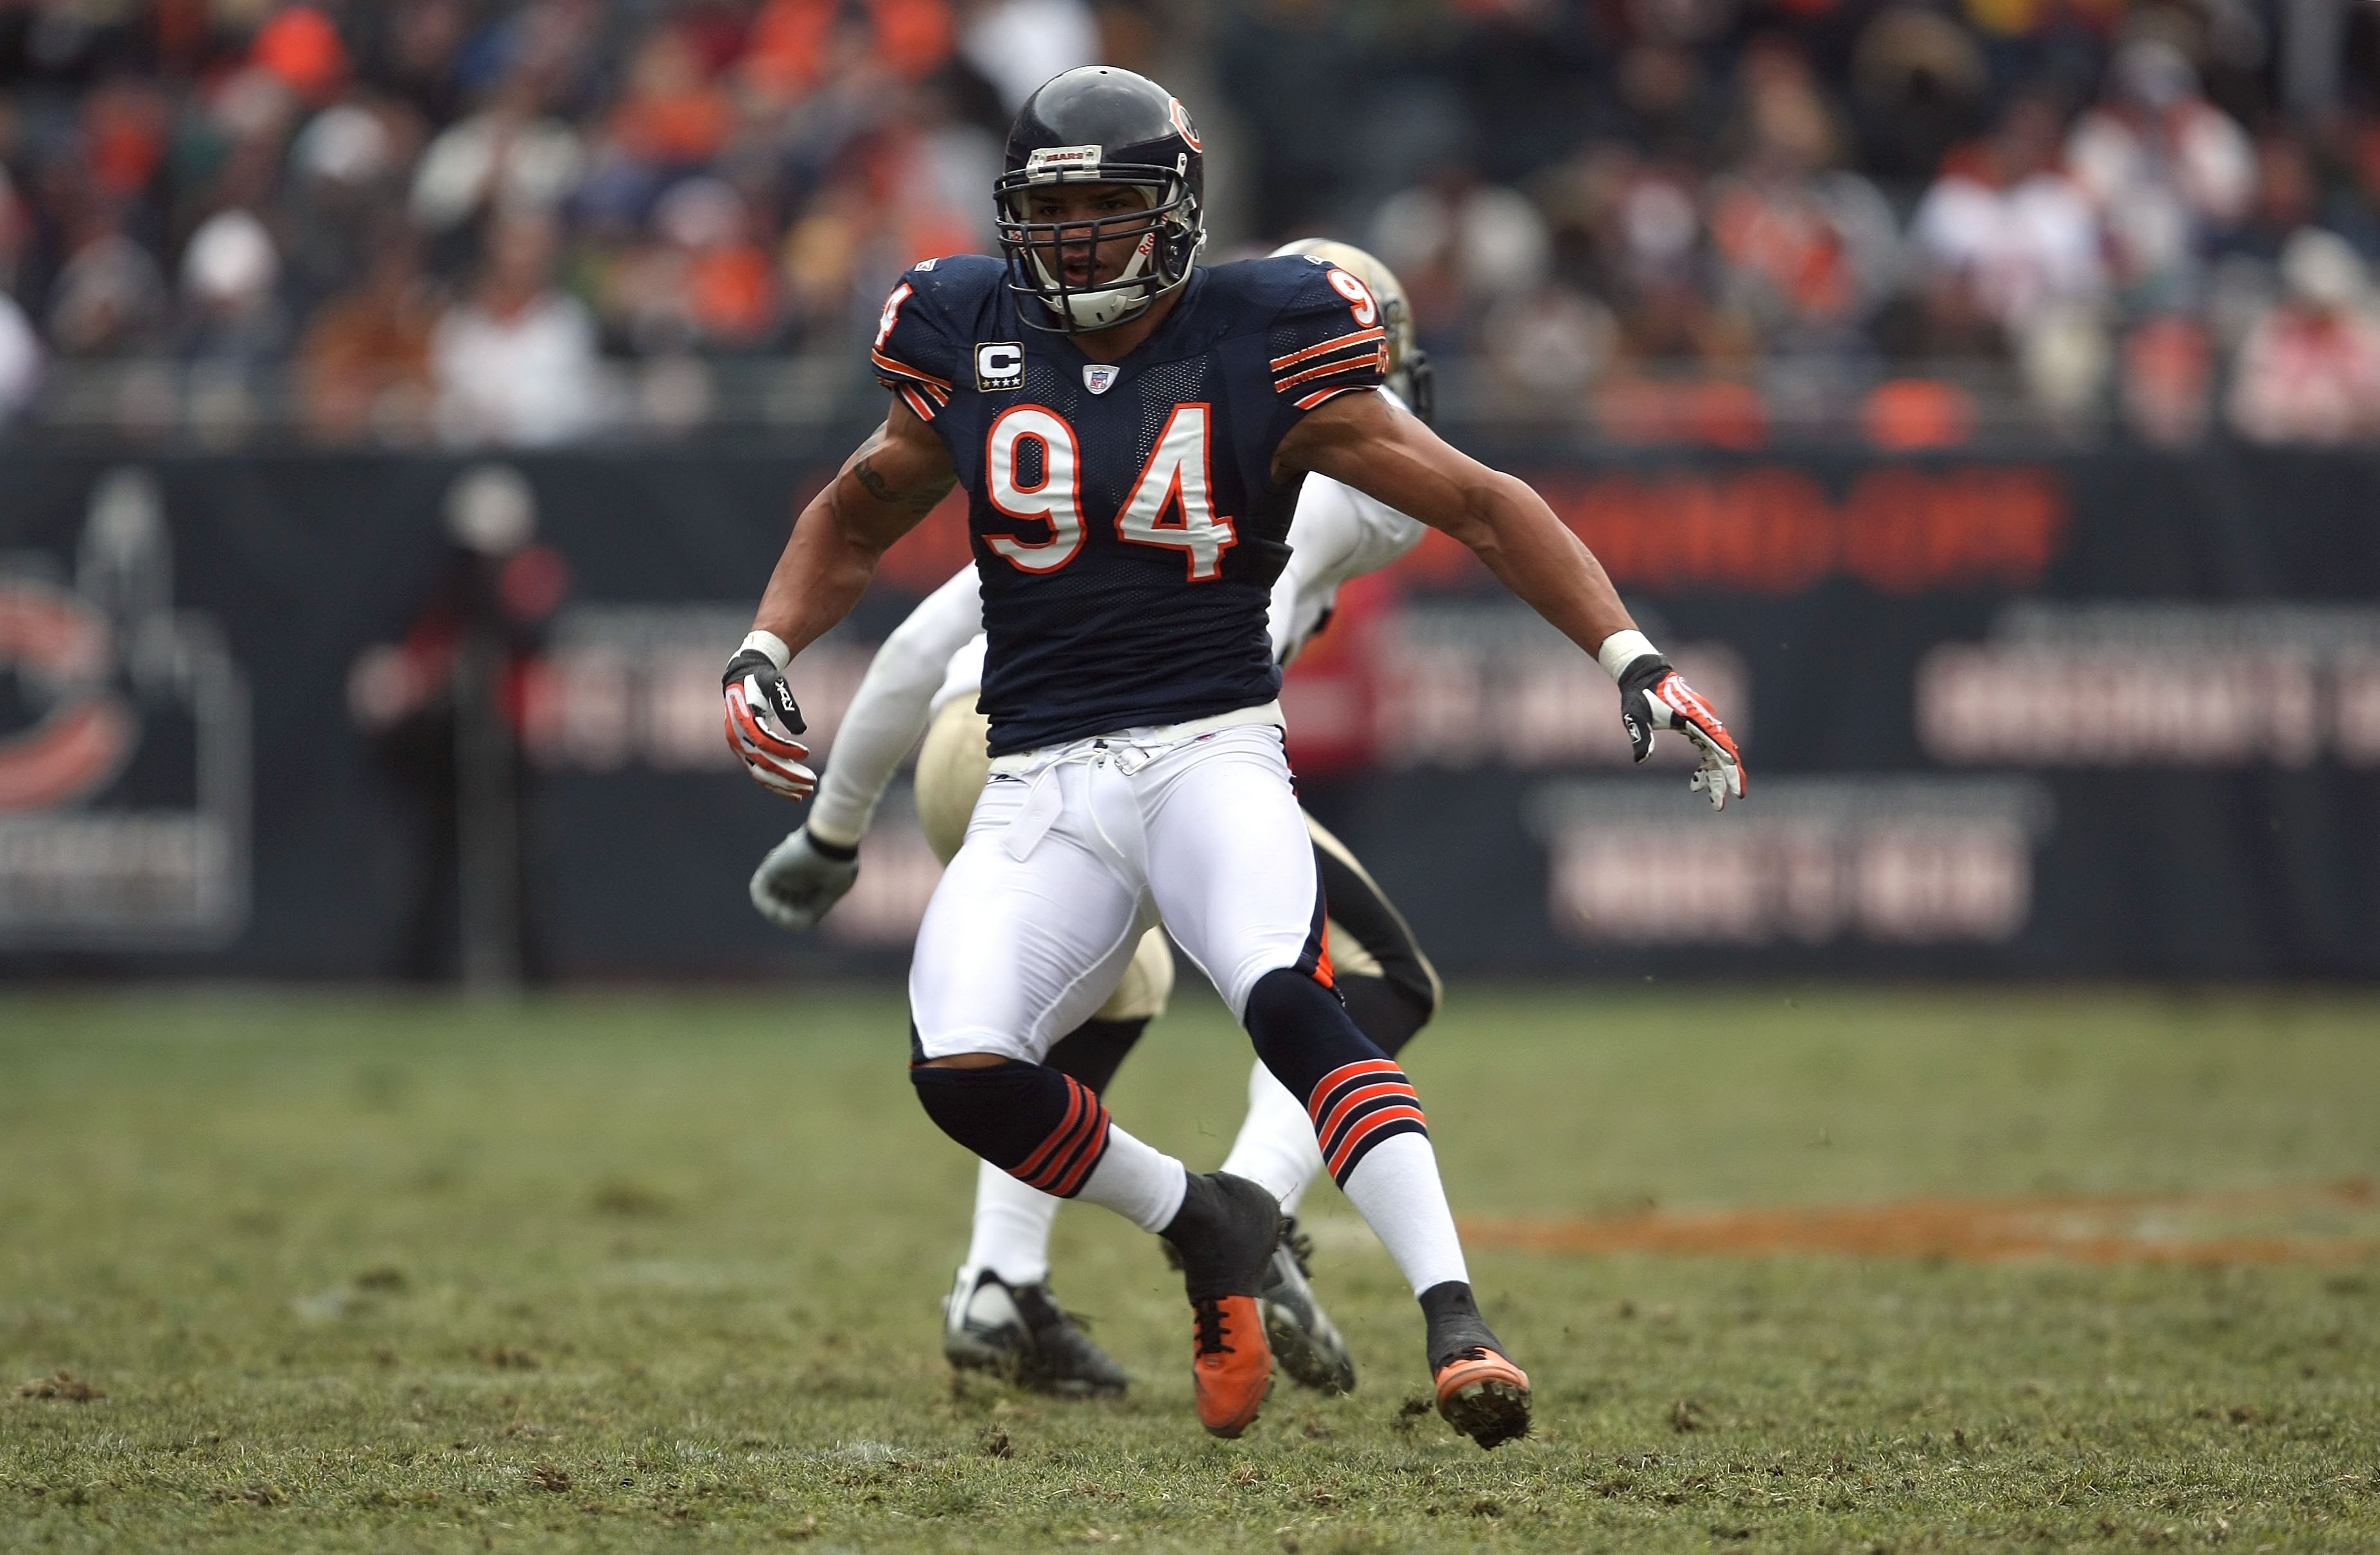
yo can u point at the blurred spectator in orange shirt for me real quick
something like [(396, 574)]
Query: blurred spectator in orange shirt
[(704, 282), (671, 115), (125, 124), (365, 365), (302, 47), (2168, 369), (1805, 251), (793, 42)]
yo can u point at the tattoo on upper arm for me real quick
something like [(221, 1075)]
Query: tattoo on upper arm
[(915, 501)]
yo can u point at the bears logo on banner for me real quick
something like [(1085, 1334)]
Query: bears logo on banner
[(124, 761)]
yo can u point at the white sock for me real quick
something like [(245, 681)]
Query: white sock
[(1012, 1227), (1139, 1182), (1276, 1146), (1396, 1188)]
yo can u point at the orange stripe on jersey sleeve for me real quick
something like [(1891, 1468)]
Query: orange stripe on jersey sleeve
[(1325, 369), (1345, 341), (894, 365)]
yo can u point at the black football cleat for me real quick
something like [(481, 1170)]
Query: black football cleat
[(1481, 1392), (1021, 1334), (1304, 1341)]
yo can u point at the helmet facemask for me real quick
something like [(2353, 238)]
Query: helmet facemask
[(1167, 235)]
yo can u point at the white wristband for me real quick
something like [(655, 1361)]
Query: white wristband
[(773, 645), (1621, 649)]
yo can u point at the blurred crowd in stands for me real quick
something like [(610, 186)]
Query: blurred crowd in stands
[(525, 222)]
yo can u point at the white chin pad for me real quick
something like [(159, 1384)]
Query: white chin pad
[(1098, 307)]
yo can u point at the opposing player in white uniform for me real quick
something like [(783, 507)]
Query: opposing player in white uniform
[(1133, 430), (1001, 1314)]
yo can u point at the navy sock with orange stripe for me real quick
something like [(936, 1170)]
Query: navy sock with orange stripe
[(1049, 1131), (1355, 1094), (1045, 1129), (1366, 1118)]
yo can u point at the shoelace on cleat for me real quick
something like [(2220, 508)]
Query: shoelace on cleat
[(1213, 1329), (1472, 1352)]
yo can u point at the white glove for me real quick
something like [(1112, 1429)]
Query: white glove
[(800, 880)]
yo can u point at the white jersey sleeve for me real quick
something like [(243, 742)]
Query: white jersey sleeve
[(1338, 533), (889, 713)]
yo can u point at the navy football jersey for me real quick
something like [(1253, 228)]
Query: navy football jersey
[(1125, 519)]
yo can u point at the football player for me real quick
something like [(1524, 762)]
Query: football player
[(1001, 1314), (1132, 431)]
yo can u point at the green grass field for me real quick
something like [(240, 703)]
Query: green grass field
[(379, 1272)]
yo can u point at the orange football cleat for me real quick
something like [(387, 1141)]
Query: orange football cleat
[(1232, 1365), (1485, 1396), (1224, 1236)]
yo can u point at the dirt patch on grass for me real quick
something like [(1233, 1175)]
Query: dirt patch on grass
[(2172, 1229)]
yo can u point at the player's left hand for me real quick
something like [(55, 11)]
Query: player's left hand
[(1653, 695), (762, 718), (800, 880)]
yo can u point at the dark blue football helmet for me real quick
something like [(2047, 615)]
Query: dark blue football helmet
[(1099, 125)]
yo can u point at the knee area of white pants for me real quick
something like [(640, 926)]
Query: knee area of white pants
[(927, 1044), (1276, 958)]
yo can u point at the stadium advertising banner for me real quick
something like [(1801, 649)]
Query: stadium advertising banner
[(2115, 713)]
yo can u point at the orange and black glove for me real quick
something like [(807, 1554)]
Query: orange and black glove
[(1655, 696)]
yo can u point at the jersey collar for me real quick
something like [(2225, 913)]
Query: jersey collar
[(1154, 347)]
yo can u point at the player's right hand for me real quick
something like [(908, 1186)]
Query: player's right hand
[(762, 718), (1653, 695), (798, 882)]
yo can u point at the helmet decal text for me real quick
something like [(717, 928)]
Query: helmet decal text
[(1063, 159)]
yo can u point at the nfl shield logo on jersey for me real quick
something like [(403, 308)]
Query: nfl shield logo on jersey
[(1099, 377)]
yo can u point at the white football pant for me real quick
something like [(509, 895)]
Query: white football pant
[(1076, 851)]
